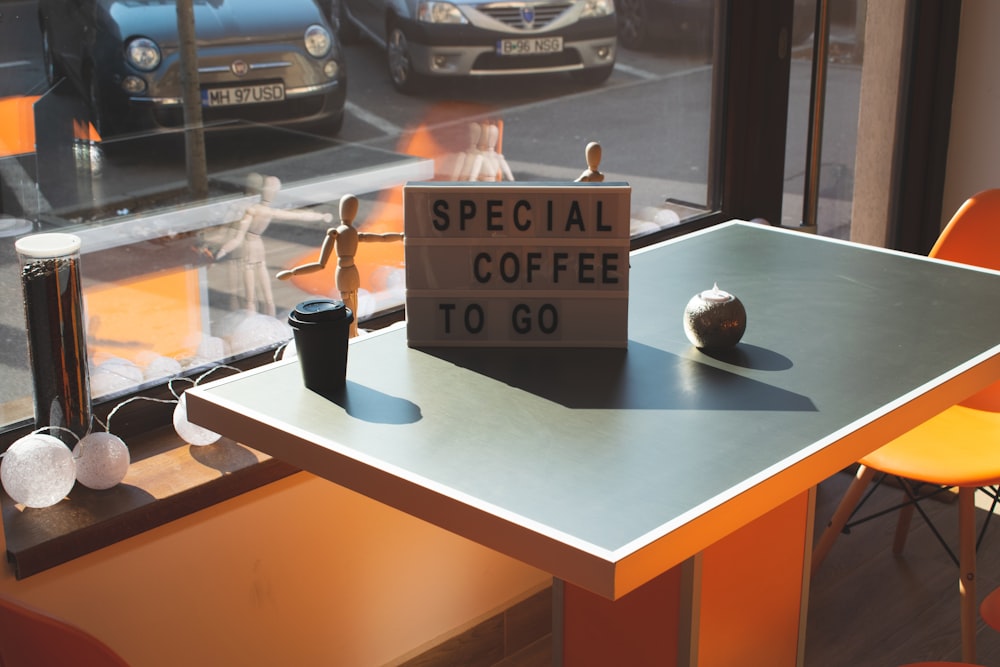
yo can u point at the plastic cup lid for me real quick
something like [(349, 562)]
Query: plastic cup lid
[(45, 246), (322, 310)]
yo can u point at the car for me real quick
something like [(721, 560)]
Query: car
[(434, 39), (275, 63)]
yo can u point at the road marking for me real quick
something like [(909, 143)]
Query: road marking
[(650, 76), (29, 197), (635, 71), (15, 63), (370, 118), (643, 77)]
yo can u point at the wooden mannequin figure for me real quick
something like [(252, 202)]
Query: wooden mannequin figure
[(463, 164), (483, 168), (234, 267), (495, 161), (344, 240), (248, 243), (505, 172), (592, 175)]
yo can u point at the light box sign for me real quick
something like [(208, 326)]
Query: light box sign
[(517, 264)]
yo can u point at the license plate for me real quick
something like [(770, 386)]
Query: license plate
[(250, 94), (530, 45)]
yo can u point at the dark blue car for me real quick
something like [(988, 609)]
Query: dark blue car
[(262, 61)]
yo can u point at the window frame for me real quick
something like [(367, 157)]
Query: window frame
[(749, 116)]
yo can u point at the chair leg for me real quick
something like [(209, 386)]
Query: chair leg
[(902, 528), (967, 574), (839, 519)]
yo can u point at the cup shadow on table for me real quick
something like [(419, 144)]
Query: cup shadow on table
[(639, 378), (374, 406)]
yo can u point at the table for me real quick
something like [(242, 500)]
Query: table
[(670, 489)]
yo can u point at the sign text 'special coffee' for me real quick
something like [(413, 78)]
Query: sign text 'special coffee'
[(517, 264)]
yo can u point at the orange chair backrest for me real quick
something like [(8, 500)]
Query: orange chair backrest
[(972, 236), (32, 638)]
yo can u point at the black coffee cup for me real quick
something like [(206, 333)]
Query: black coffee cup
[(322, 328)]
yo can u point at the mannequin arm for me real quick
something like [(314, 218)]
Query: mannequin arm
[(318, 265), (237, 240), (296, 214), (380, 238)]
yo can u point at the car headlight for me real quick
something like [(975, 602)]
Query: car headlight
[(596, 8), (439, 12), (317, 40), (143, 54)]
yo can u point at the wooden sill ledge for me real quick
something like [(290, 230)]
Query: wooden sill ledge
[(168, 479)]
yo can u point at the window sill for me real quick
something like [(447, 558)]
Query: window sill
[(167, 480)]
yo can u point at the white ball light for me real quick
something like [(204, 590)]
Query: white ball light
[(38, 470), (258, 331), (161, 367), (102, 460), (191, 433)]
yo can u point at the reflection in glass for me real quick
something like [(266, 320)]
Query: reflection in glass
[(840, 116), (159, 300)]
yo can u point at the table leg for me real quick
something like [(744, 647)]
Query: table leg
[(745, 595)]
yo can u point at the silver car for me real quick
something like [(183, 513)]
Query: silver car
[(431, 38)]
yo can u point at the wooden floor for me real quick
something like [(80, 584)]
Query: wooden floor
[(869, 608)]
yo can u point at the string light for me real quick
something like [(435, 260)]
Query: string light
[(102, 460), (38, 470), (191, 433)]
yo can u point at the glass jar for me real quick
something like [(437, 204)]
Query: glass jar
[(57, 344)]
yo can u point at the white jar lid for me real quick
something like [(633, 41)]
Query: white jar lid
[(44, 246)]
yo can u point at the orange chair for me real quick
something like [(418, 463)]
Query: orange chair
[(990, 609), (960, 447), (32, 638)]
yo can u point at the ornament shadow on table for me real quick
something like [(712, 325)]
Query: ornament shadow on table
[(714, 320)]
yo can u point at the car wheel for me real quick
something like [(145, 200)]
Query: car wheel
[(53, 73), (633, 23), (593, 75), (397, 53)]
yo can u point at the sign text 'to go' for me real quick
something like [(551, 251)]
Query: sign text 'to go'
[(521, 264)]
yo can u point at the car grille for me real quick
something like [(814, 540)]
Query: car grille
[(514, 14)]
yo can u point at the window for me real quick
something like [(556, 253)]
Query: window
[(827, 172), (99, 151)]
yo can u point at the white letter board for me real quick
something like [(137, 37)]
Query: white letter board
[(517, 264)]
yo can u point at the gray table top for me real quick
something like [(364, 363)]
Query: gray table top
[(607, 466)]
